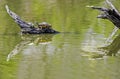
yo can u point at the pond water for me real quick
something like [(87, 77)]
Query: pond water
[(67, 55)]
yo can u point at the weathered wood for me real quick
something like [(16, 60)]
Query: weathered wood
[(111, 14), (28, 27)]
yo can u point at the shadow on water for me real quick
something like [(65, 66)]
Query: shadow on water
[(30, 40)]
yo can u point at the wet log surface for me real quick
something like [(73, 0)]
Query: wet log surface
[(28, 27)]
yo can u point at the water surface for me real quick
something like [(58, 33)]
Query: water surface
[(68, 55)]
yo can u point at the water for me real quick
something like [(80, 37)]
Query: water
[(112, 35), (72, 54)]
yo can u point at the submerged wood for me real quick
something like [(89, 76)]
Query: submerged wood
[(29, 28)]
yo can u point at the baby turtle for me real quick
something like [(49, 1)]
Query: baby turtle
[(44, 25)]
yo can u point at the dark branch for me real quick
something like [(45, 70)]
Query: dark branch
[(111, 14)]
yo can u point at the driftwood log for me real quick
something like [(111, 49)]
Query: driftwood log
[(112, 15), (29, 28)]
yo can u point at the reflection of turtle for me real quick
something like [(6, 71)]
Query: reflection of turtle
[(38, 39), (29, 27)]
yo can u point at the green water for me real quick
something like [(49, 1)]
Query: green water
[(67, 55)]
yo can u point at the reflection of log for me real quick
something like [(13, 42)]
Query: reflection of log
[(30, 40), (111, 14), (30, 28), (113, 48)]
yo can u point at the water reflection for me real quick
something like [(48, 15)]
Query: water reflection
[(91, 43), (98, 49), (113, 48), (29, 40)]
